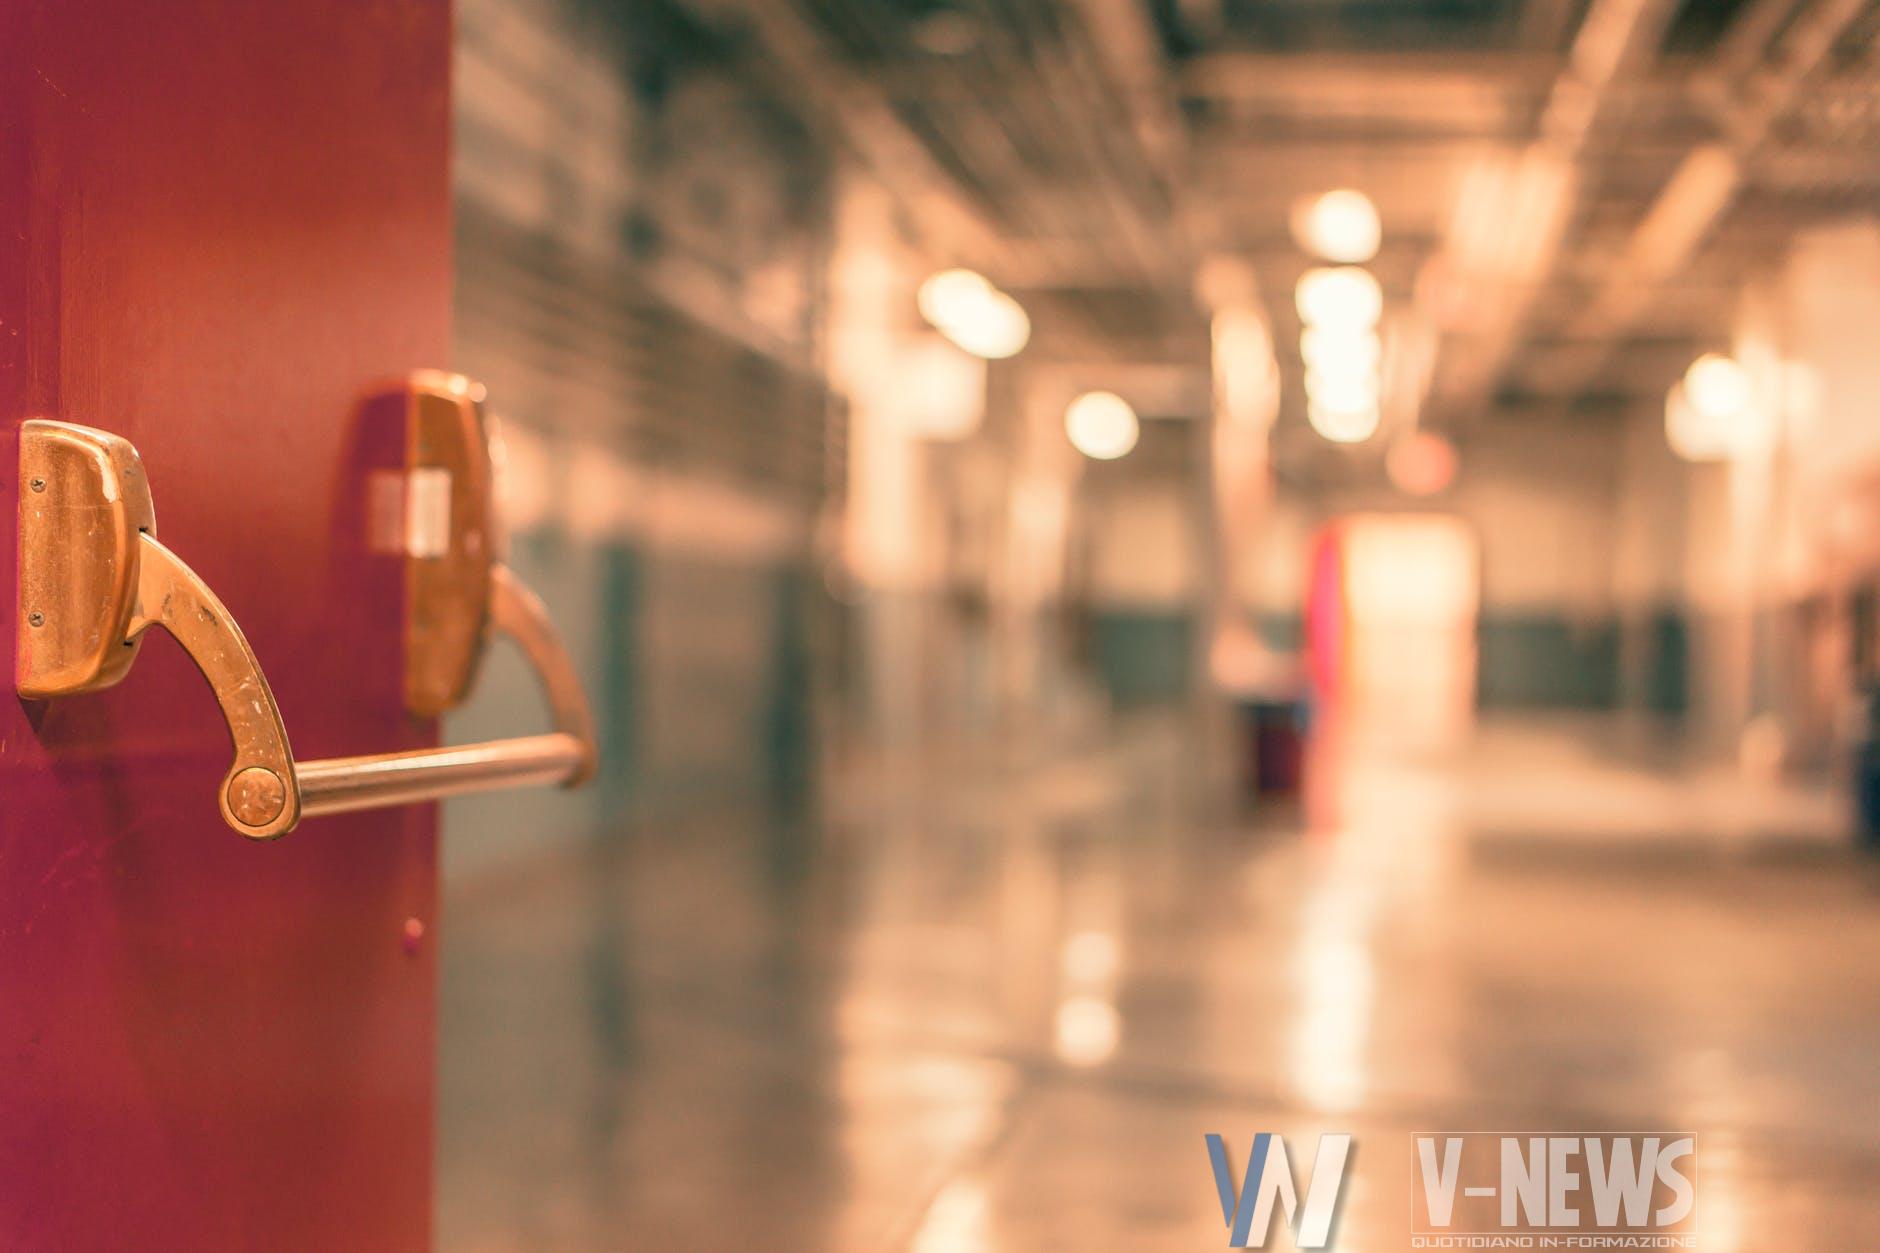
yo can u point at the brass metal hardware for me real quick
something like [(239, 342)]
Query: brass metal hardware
[(94, 578), (451, 538)]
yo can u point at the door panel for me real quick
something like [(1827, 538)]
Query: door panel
[(220, 222)]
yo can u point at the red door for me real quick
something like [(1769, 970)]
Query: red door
[(220, 222)]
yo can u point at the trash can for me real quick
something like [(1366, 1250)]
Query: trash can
[(1867, 773), (1273, 745)]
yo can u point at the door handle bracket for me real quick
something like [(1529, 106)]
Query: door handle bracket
[(94, 579)]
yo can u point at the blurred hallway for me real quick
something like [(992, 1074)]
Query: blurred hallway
[(997, 1005), (977, 448), (1121, 583)]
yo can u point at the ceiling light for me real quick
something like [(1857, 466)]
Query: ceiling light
[(1339, 226), (1101, 425), (951, 294), (1714, 412), (1345, 297), (1421, 464), (997, 329), (1339, 350), (1345, 391), (1342, 426), (1692, 434), (1717, 386), (974, 314)]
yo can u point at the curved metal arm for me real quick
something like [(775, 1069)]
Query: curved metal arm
[(266, 792), (334, 785), (94, 578), (258, 796)]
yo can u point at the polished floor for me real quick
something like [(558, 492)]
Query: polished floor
[(996, 1004)]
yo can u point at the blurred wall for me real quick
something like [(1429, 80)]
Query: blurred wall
[(1541, 496), (1543, 499), (1741, 589), (641, 244), (1782, 559), (1143, 588), (897, 556)]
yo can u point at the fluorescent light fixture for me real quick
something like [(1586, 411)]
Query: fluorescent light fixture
[(1347, 391), (970, 311), (1101, 425), (1340, 225), (1343, 426), (1340, 350), (1345, 298), (1717, 386)]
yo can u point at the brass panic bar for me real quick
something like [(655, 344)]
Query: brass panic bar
[(338, 784), (256, 799), (94, 578)]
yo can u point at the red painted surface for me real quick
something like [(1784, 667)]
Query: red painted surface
[(219, 222), (1325, 615)]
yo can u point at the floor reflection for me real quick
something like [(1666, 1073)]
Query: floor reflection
[(998, 1006)]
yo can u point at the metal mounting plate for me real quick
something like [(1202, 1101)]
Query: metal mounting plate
[(83, 500), (451, 540)]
